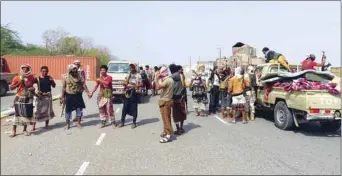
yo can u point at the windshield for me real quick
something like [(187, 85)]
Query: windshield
[(118, 68), (281, 70)]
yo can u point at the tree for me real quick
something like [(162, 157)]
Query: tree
[(10, 40), (69, 46), (52, 38)]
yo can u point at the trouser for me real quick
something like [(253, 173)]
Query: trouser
[(250, 100), (165, 111), (214, 99), (281, 60)]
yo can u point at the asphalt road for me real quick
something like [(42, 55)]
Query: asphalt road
[(209, 146)]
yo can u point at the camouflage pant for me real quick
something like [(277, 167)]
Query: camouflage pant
[(250, 100)]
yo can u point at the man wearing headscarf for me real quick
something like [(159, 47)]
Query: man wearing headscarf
[(73, 85), (165, 102), (23, 101), (82, 74), (273, 57), (225, 97), (131, 99), (199, 88), (237, 86)]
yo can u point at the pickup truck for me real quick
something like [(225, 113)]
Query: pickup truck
[(294, 108), (5, 80)]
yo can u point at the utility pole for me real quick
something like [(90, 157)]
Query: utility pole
[(220, 50)]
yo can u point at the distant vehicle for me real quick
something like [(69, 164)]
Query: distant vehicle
[(293, 108), (5, 77), (119, 70)]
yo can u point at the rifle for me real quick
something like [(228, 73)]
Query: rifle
[(324, 67)]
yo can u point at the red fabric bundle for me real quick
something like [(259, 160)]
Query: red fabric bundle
[(302, 84)]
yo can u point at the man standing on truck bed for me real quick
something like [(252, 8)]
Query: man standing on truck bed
[(273, 57), (309, 63)]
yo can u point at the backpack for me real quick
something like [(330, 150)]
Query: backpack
[(178, 89)]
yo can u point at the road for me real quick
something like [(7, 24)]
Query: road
[(209, 146)]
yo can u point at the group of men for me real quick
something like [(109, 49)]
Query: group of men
[(232, 91), (33, 106)]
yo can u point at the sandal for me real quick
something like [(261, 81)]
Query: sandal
[(181, 131), (244, 122), (233, 121), (165, 140), (163, 135), (134, 126), (26, 133)]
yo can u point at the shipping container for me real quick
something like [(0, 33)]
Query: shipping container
[(57, 65)]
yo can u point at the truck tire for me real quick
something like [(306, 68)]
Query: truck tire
[(283, 117), (331, 126), (3, 88)]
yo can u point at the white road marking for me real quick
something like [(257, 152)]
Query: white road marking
[(98, 142), (220, 119), (117, 110), (82, 168)]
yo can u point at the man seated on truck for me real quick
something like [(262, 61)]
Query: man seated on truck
[(273, 57), (309, 63)]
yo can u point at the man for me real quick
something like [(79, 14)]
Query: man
[(178, 108), (72, 88), (273, 57), (199, 89), (237, 86), (131, 99), (82, 73), (44, 107), (154, 91), (23, 101), (185, 94), (250, 92), (225, 97), (104, 99), (309, 63), (144, 79), (165, 102), (214, 84)]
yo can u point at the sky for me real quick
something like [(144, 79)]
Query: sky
[(166, 32)]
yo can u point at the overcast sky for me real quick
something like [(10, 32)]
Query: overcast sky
[(165, 32)]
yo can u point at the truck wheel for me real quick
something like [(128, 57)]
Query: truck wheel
[(331, 126), (283, 118), (3, 88)]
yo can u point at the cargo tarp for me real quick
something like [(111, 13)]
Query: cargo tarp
[(311, 75)]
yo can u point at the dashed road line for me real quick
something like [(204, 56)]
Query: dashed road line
[(82, 168), (220, 119), (98, 142)]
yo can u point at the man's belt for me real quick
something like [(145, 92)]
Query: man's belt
[(44, 93)]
